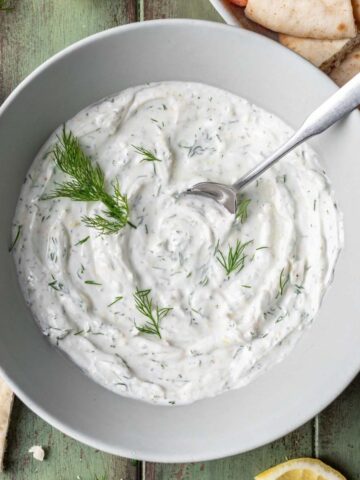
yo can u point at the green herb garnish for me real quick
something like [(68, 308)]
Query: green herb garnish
[(147, 155), (80, 242), (242, 210), (88, 185), (117, 299), (283, 281), (235, 259), (144, 304), (92, 282), (17, 236), (58, 286)]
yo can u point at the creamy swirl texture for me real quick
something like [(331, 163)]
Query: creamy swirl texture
[(223, 328)]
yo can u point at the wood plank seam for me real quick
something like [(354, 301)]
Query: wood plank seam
[(140, 10)]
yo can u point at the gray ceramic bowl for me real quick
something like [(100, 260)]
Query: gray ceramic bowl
[(326, 358)]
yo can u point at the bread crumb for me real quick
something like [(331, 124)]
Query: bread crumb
[(38, 452)]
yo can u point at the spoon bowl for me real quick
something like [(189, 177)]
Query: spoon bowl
[(223, 194)]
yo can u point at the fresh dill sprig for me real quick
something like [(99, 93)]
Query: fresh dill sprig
[(80, 242), (242, 210), (283, 281), (147, 155), (144, 304), (92, 282), (117, 299), (79, 332), (17, 236), (235, 259), (88, 185)]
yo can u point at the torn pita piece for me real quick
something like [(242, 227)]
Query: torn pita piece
[(323, 19), (6, 401), (315, 50), (356, 7), (347, 69)]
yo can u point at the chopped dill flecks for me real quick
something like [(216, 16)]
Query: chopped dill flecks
[(79, 332), (58, 286), (17, 236), (117, 299), (281, 318), (92, 282), (80, 242), (283, 281)]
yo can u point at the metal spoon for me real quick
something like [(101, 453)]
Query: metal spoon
[(333, 109)]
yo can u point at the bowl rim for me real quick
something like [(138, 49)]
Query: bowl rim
[(40, 410)]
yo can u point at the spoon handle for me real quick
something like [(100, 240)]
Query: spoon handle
[(333, 109)]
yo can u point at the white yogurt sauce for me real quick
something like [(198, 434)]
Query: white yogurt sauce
[(222, 330)]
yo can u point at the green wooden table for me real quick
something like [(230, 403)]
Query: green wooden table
[(29, 34)]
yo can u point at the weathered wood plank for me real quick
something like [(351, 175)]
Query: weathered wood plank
[(65, 458), (338, 442), (36, 29), (201, 9), (244, 466), (29, 34)]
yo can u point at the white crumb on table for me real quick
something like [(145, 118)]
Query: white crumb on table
[(37, 452)]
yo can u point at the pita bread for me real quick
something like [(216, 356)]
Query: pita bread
[(347, 69), (324, 19), (356, 8), (6, 401), (334, 61), (315, 50)]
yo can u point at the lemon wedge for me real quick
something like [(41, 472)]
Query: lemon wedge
[(301, 469)]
